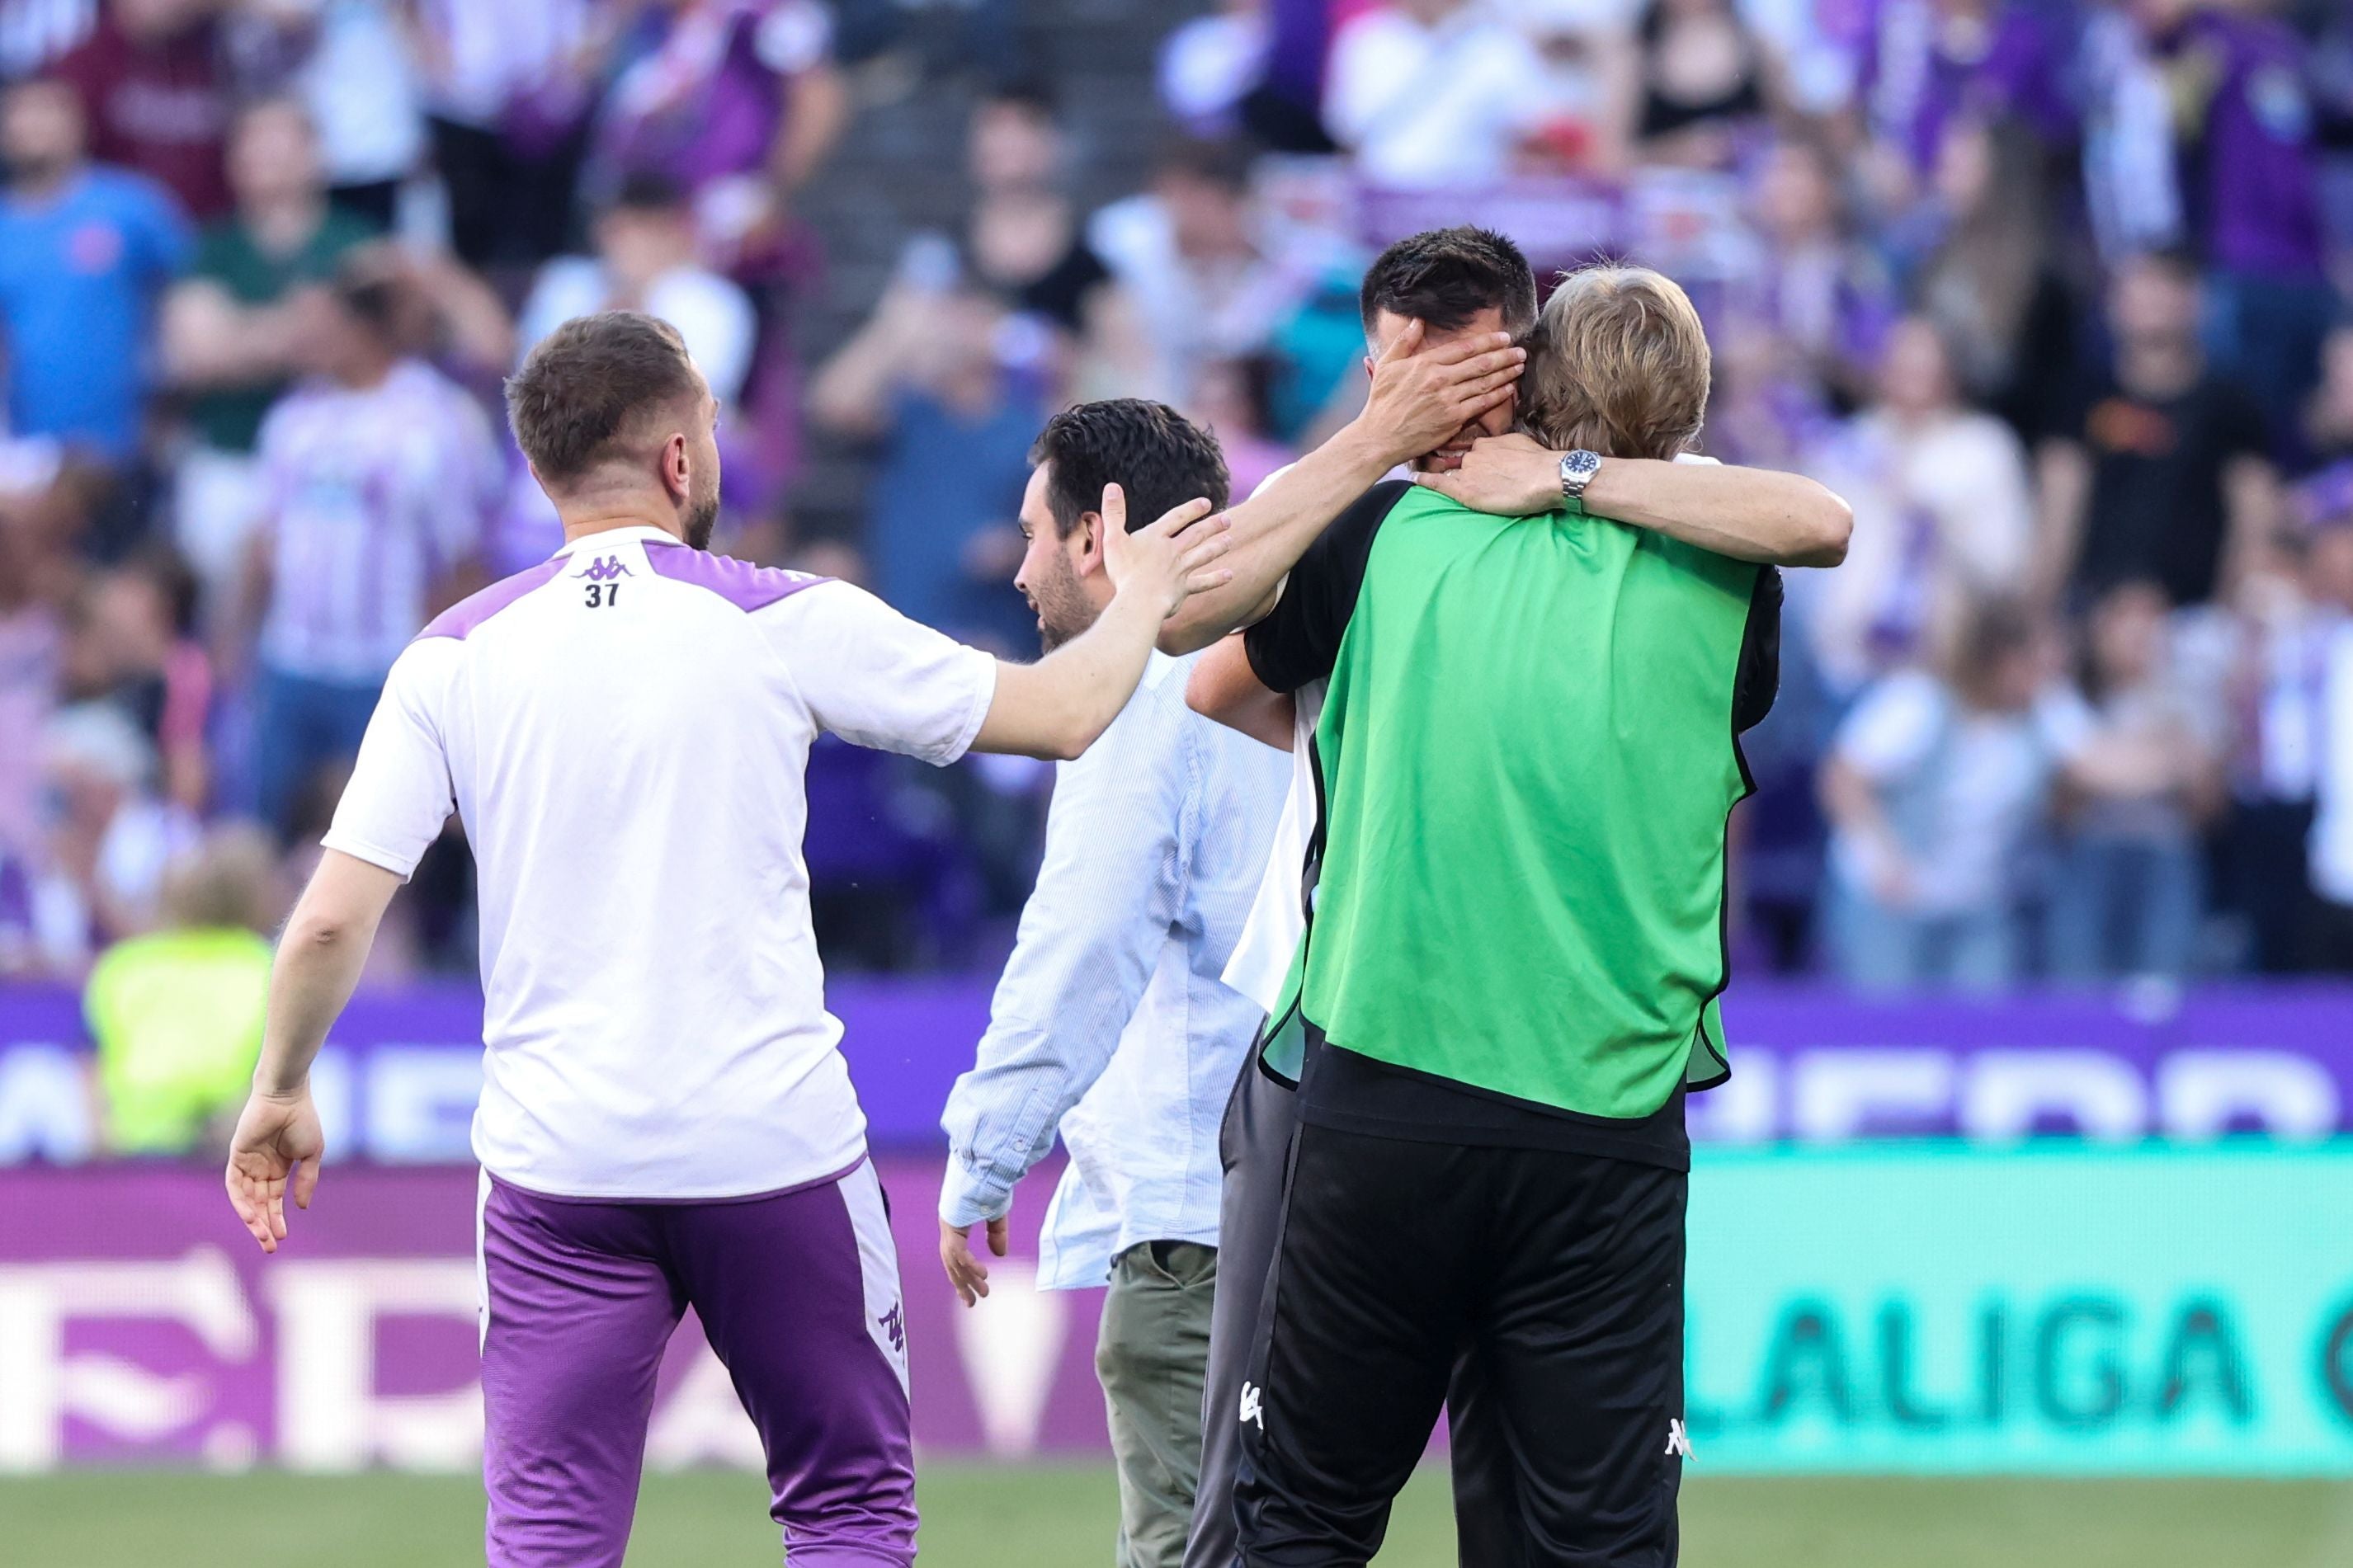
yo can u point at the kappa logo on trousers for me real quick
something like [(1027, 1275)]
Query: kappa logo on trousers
[(1252, 1404), (1678, 1439)]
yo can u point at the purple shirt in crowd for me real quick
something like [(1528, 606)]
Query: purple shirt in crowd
[(2253, 183), (698, 93), (1922, 72)]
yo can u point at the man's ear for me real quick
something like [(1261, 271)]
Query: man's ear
[(675, 477), (1090, 541)]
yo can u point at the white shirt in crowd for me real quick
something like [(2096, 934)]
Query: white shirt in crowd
[(1985, 778), (361, 88), (478, 58), (624, 731), (1111, 1023), (711, 313), (1943, 514), (369, 498), (1426, 105), (2331, 845), (1195, 310)]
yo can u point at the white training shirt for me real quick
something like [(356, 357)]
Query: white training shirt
[(1277, 916), (624, 731)]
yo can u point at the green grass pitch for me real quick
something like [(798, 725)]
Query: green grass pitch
[(1048, 1517)]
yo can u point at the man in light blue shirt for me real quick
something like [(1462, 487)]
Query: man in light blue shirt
[(1112, 1023), (85, 252)]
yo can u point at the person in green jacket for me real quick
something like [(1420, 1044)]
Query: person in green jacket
[(177, 1013)]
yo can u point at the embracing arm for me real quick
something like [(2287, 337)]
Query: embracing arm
[(1417, 400), (320, 957), (1748, 514), (1223, 687)]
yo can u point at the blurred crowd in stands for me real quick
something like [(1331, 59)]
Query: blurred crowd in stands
[(2055, 291)]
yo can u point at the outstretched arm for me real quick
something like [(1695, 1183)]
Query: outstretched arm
[(1748, 514), (277, 1142), (1417, 400), (1056, 707)]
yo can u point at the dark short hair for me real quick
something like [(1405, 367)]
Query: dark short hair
[(589, 386), (1033, 95), (2176, 264), (1161, 459), (1444, 277), (649, 191), (1225, 164), (368, 286)]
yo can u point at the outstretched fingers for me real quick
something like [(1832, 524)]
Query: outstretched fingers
[(1188, 519)]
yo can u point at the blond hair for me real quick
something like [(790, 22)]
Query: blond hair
[(1618, 364), (229, 881)]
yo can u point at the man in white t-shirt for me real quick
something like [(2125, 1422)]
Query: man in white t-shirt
[(666, 1120), (376, 474)]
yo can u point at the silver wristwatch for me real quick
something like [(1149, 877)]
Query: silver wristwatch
[(1577, 471)]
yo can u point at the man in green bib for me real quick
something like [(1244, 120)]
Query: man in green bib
[(1526, 758)]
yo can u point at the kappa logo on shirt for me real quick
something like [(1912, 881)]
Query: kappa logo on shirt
[(604, 569), (894, 1324)]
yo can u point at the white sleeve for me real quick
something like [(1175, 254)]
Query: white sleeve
[(717, 322), (876, 678), (399, 796), (794, 36), (1366, 76), (1892, 728)]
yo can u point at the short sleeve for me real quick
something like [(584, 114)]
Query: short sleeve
[(1892, 729), (2064, 721), (876, 678), (1299, 639), (399, 797), (272, 464), (719, 325), (1758, 681)]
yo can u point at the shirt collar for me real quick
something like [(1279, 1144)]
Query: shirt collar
[(644, 533)]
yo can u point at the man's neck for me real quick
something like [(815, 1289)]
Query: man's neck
[(587, 520), (2158, 370), (367, 375), (284, 225)]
